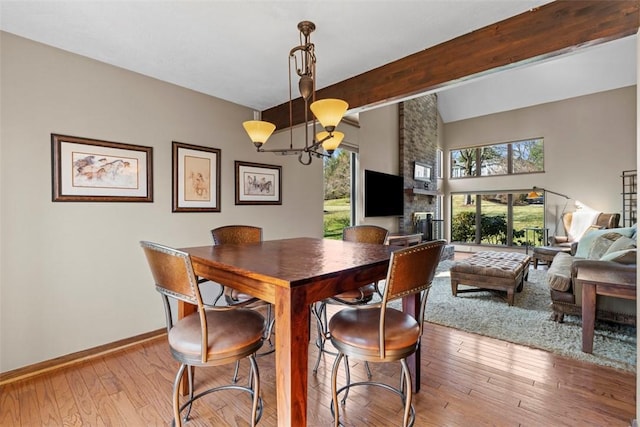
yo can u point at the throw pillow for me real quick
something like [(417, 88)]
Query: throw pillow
[(601, 244), (584, 245), (621, 244), (627, 256)]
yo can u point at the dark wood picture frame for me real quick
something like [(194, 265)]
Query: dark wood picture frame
[(196, 178), (258, 184), (91, 170)]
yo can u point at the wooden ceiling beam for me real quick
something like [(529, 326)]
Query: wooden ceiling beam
[(550, 30)]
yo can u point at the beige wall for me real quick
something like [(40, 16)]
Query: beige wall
[(588, 142), (72, 275), (378, 151)]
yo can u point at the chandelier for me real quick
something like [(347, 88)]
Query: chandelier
[(328, 112)]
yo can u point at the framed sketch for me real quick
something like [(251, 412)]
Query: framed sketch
[(196, 178), (89, 170), (258, 184)]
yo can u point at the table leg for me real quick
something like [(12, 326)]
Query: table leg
[(292, 346), (411, 305), (588, 315)]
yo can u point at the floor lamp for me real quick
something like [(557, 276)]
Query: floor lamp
[(535, 192)]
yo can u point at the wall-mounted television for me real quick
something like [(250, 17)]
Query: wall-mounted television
[(383, 194), (421, 172)]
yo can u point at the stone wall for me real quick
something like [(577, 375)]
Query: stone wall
[(418, 141)]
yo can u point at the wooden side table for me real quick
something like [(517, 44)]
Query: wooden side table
[(590, 291), (404, 239)]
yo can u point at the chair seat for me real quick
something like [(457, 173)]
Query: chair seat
[(357, 296), (237, 333), (356, 332)]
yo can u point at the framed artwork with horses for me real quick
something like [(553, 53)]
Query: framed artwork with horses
[(90, 170), (258, 184)]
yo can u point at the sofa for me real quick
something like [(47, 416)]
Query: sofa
[(605, 255)]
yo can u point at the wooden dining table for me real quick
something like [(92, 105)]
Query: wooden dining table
[(292, 274)]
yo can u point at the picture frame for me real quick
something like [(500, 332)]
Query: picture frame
[(91, 170), (258, 184), (421, 172), (196, 178)]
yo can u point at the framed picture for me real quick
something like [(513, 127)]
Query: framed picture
[(421, 172), (196, 178), (258, 184), (89, 170)]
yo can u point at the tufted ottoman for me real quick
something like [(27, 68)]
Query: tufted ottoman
[(503, 271)]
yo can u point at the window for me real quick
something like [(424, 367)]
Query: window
[(524, 156), (496, 219), (339, 191)]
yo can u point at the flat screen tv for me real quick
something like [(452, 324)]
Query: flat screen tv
[(383, 194)]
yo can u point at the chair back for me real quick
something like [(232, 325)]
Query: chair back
[(174, 278), (604, 220), (365, 234), (236, 234), (411, 270), (608, 220)]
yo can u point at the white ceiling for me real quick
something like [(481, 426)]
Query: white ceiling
[(238, 50)]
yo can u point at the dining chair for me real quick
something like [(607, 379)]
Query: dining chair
[(234, 234), (230, 234), (382, 333), (362, 296), (207, 337)]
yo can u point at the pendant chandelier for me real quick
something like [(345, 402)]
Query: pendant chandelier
[(328, 112)]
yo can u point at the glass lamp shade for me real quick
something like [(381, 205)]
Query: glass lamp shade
[(332, 143), (258, 130), (532, 195), (329, 111)]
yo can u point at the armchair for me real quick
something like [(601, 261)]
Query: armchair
[(569, 242)]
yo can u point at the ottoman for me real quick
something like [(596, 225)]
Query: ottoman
[(503, 271), (547, 253)]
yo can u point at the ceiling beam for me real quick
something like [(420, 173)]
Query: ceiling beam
[(550, 30)]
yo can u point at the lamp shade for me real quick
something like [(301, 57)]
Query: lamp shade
[(532, 195), (258, 130), (329, 111), (332, 143)]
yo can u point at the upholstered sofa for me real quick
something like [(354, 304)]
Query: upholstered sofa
[(607, 255)]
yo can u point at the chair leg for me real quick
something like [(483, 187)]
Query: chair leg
[(255, 375), (347, 375), (334, 390), (235, 372), (319, 310), (190, 378), (176, 396), (368, 369), (408, 396), (271, 320)]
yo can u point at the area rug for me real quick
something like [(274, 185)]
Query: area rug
[(528, 321)]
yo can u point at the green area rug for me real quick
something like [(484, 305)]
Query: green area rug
[(528, 321)]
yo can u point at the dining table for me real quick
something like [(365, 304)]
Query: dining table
[(292, 274)]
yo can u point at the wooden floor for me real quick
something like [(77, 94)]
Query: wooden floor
[(467, 380)]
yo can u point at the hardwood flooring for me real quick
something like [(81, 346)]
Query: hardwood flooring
[(467, 380)]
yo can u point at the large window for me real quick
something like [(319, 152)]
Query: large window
[(516, 157), (339, 178), (507, 218)]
